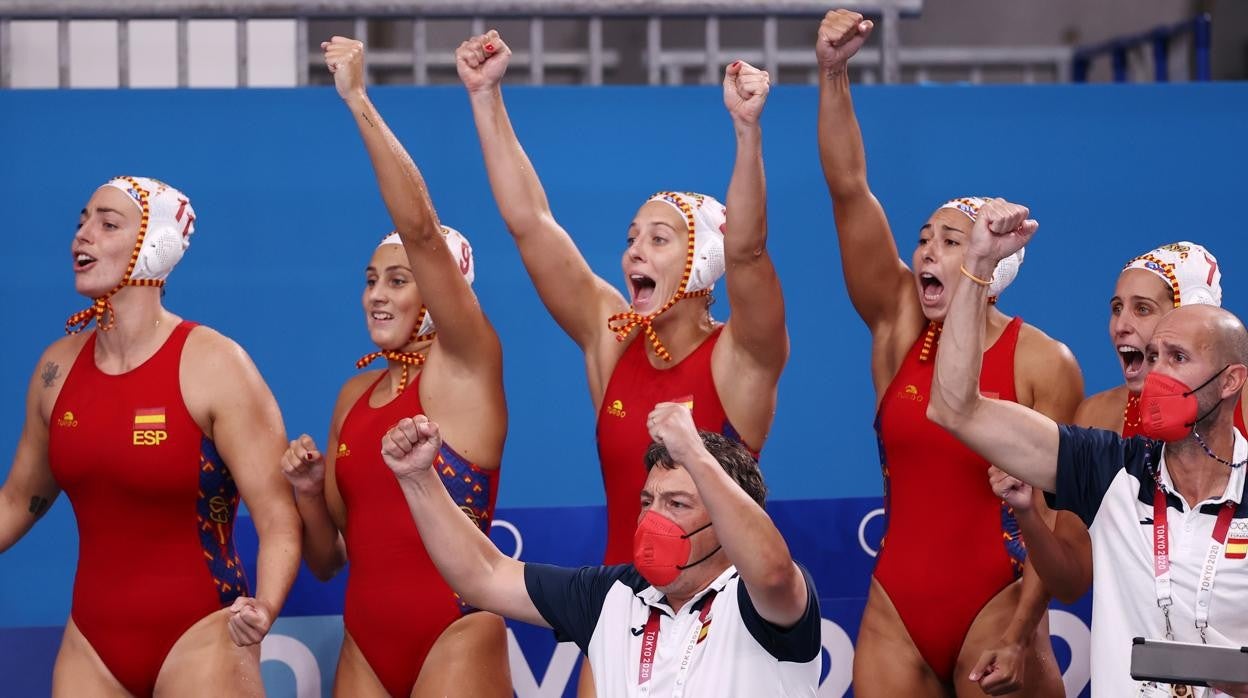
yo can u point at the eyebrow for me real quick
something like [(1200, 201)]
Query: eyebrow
[(392, 267), (943, 227)]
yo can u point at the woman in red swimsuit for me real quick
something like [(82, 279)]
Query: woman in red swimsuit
[(154, 427), (944, 612), (406, 632), (1149, 287), (661, 343)]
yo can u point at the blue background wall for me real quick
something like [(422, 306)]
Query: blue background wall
[(288, 213)]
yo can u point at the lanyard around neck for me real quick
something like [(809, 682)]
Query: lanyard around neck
[(1209, 564), (650, 646)]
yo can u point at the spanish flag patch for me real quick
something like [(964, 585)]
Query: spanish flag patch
[(1236, 548)]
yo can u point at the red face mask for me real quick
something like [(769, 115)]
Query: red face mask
[(1168, 407), (661, 548)]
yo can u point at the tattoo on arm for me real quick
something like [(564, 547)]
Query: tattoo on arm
[(51, 371), (370, 121), (38, 505)]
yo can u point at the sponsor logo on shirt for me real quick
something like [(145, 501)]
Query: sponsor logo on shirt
[(616, 409), (149, 427), (343, 451), (67, 420)]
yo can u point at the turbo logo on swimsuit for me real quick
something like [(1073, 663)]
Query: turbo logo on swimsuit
[(149, 427)]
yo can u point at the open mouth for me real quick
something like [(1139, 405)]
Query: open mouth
[(932, 288), (83, 260), (643, 288), (1132, 360), (381, 315)]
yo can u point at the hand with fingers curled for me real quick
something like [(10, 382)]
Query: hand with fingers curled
[(999, 671), (1001, 228), (745, 92), (249, 621), (671, 424), (411, 446), (482, 61), (303, 464), (841, 34), (1010, 489), (345, 59)]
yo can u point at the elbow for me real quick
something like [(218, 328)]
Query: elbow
[(324, 572), (418, 229), (942, 413), (523, 221)]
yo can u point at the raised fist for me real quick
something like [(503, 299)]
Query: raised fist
[(1001, 229), (841, 34), (482, 61), (411, 446), (345, 59), (745, 91)]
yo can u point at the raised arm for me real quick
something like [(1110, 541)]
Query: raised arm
[(1016, 439), (578, 299), (748, 536), (30, 489), (248, 432), (879, 283), (463, 331), (481, 575), (756, 326)]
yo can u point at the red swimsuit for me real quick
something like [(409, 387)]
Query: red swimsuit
[(634, 389), (950, 543), (155, 508), (397, 604)]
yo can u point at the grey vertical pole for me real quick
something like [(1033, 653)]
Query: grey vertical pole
[(183, 49), (420, 52), (302, 59), (361, 34), (240, 38), (890, 51), (595, 50), (771, 47), (537, 36), (123, 53), (62, 52), (654, 36), (712, 50), (6, 57)]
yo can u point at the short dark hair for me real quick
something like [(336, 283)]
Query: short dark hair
[(732, 456)]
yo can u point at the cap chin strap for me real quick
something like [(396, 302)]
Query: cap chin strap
[(101, 309), (406, 358)]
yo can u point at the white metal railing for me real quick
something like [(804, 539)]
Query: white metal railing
[(591, 61)]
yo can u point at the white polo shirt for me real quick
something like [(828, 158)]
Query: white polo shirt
[(725, 650), (1108, 482)]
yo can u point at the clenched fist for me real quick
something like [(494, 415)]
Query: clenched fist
[(482, 61), (745, 92), (304, 467), (345, 59), (841, 34), (411, 446)]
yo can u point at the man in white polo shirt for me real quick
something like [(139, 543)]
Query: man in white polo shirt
[(1166, 511), (713, 604)]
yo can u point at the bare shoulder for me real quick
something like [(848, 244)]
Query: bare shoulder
[(352, 389), (51, 370), (1103, 410), (213, 364), (1045, 357)]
